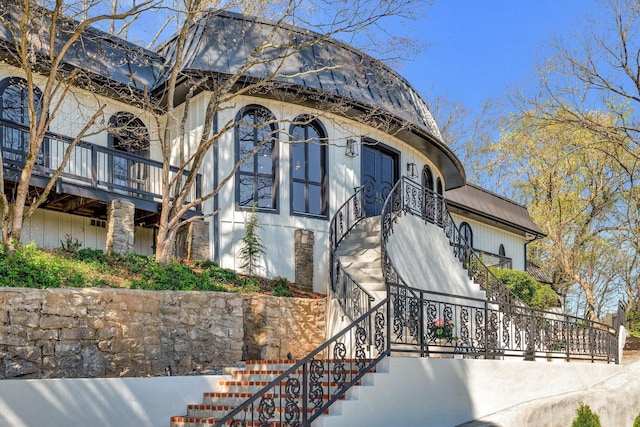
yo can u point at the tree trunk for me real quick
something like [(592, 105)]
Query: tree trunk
[(165, 244)]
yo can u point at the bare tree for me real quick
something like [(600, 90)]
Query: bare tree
[(275, 59), (40, 40)]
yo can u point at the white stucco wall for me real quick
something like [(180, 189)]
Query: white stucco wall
[(448, 392), (106, 402)]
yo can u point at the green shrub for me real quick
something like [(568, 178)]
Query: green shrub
[(224, 275), (528, 289), (175, 277), (251, 247), (281, 287), (31, 268), (250, 284), (585, 417), (206, 264), (90, 255), (70, 244), (636, 422)]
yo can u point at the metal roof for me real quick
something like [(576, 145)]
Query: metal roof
[(97, 52), (489, 207), (224, 42)]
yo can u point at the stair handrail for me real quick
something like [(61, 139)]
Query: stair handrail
[(304, 392), (408, 196), (353, 298)]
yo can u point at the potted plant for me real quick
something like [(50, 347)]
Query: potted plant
[(440, 331)]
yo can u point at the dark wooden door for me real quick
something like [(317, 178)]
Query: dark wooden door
[(379, 174)]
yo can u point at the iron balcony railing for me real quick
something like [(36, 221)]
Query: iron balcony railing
[(91, 166), (353, 299), (435, 324), (408, 196)]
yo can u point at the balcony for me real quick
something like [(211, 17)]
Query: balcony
[(93, 176)]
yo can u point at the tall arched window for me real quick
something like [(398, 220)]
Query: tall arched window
[(14, 108), (440, 210), (501, 250), (128, 134), (467, 234), (256, 179), (308, 168), (427, 178)]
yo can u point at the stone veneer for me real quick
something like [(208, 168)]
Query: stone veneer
[(66, 333), (120, 227), (193, 241), (303, 241)]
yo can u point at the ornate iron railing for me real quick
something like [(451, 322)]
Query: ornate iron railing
[(500, 326), (90, 166), (436, 324), (307, 389), (353, 299), (412, 198)]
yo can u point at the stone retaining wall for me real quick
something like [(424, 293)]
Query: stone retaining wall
[(65, 333)]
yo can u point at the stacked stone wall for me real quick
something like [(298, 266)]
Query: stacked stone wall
[(76, 333)]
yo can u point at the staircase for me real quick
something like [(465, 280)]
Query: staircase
[(253, 377), (360, 256)]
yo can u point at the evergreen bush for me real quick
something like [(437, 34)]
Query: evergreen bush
[(585, 417)]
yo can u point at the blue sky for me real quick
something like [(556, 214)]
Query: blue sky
[(480, 48)]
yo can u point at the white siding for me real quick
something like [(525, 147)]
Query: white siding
[(489, 238)]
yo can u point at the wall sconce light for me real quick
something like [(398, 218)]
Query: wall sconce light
[(351, 148), (412, 170)]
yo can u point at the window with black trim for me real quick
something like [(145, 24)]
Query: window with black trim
[(467, 234), (128, 134), (255, 143), (14, 108), (308, 168), (501, 250)]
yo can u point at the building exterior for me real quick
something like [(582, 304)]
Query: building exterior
[(338, 121)]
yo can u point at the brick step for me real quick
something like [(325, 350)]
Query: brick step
[(203, 422), (219, 411), (255, 386), (236, 399), (273, 374)]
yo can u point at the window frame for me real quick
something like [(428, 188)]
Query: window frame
[(274, 175), (307, 122), (469, 241), (43, 156)]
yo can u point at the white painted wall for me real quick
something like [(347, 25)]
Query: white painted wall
[(48, 228), (447, 392), (423, 257), (488, 238), (278, 227), (105, 402), (404, 392)]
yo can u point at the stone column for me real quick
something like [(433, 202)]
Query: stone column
[(304, 259), (120, 227), (193, 241)]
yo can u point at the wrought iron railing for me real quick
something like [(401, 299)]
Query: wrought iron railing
[(353, 299), (494, 260), (307, 389), (500, 326), (91, 166), (412, 198), (437, 324)]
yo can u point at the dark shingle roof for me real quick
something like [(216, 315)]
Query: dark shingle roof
[(486, 206)]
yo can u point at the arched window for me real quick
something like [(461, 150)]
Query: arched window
[(427, 178), (308, 168), (256, 179), (128, 134), (440, 205), (14, 108), (467, 234), (501, 251)]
